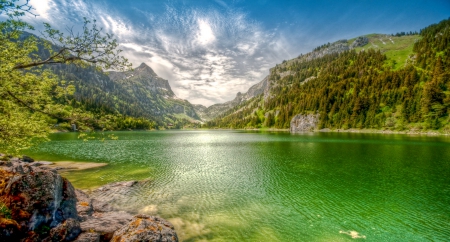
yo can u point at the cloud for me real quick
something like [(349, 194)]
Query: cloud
[(207, 54)]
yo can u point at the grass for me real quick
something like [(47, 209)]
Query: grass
[(398, 50)]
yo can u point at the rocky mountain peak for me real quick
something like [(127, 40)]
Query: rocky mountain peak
[(145, 69)]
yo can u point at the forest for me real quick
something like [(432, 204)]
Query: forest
[(359, 90)]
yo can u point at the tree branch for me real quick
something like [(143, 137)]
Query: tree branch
[(34, 109)]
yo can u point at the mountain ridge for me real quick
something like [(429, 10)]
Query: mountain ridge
[(359, 43), (383, 82)]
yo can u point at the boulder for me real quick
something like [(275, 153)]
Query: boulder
[(304, 123), (37, 204), (37, 198), (105, 224), (9, 230), (66, 231), (146, 228)]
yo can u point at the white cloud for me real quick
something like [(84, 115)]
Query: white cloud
[(42, 7), (206, 54), (205, 34)]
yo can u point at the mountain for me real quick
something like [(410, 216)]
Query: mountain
[(138, 96), (211, 112), (375, 81), (263, 86), (153, 93)]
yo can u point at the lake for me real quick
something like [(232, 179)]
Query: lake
[(274, 186)]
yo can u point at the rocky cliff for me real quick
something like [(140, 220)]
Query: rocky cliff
[(37, 204), (146, 78), (304, 123)]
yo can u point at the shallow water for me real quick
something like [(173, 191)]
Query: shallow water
[(263, 186)]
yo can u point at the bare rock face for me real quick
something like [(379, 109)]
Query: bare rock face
[(36, 198), (304, 123), (360, 41), (146, 228)]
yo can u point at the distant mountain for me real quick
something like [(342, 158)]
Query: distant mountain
[(375, 81), (264, 86), (153, 93), (139, 93), (211, 112)]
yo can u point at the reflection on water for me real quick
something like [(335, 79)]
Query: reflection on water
[(253, 186)]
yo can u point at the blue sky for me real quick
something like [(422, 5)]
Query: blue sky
[(211, 49)]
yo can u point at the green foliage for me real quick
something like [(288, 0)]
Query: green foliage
[(5, 212), (31, 99), (360, 89), (398, 49)]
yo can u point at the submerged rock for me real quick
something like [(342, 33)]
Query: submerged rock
[(146, 228), (105, 224)]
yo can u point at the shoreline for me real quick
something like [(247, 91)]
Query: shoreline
[(71, 165), (362, 131), (377, 131)]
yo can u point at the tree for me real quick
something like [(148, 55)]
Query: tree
[(27, 90)]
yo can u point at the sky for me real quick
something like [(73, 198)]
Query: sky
[(209, 50)]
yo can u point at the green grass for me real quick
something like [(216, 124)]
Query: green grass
[(398, 51)]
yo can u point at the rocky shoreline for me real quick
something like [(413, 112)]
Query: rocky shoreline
[(37, 204)]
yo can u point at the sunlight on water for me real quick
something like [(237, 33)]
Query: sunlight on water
[(253, 186)]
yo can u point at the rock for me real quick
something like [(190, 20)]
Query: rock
[(37, 204), (146, 228), (9, 230), (101, 206), (84, 204), (88, 237), (27, 159), (359, 42), (38, 199), (43, 163), (105, 224), (104, 198), (304, 123), (66, 231)]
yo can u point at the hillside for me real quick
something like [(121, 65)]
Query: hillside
[(153, 93), (138, 99), (211, 112), (375, 81), (397, 48)]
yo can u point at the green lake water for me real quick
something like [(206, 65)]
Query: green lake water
[(274, 186)]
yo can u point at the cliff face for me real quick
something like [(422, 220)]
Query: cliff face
[(304, 123), (146, 78)]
